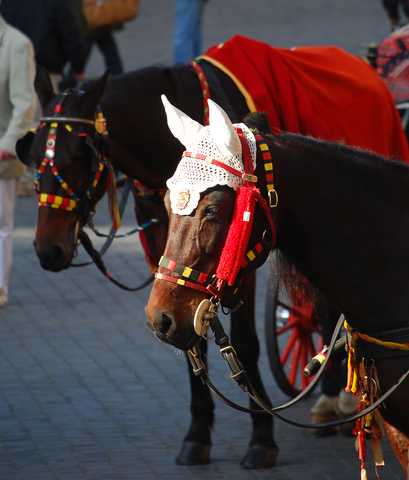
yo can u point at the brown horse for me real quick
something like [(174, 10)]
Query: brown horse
[(338, 214), (134, 114)]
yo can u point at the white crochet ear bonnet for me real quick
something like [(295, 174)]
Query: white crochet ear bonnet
[(193, 176)]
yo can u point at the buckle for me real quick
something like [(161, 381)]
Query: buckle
[(249, 178), (272, 198), (226, 350)]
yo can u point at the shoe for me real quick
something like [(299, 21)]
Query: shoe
[(3, 300), (324, 410)]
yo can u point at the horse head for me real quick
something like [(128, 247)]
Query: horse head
[(69, 150), (212, 220)]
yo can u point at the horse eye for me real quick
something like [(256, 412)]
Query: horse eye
[(211, 210)]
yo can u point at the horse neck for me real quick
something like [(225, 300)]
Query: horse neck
[(141, 143), (343, 225)]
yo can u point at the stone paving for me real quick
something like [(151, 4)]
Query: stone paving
[(86, 390)]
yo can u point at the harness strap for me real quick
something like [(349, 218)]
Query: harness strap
[(205, 90), (54, 201), (245, 176), (184, 271), (144, 191)]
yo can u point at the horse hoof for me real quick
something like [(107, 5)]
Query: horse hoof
[(321, 417), (259, 456), (193, 453), (324, 410)]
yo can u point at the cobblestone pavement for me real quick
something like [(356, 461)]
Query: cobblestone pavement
[(86, 390)]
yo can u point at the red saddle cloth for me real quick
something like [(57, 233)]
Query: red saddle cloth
[(323, 92)]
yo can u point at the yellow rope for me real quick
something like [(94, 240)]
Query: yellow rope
[(353, 363)]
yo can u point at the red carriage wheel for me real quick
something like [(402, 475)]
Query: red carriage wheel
[(293, 337)]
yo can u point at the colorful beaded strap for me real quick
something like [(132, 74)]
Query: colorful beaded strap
[(54, 201), (205, 90), (268, 168), (199, 281), (144, 191)]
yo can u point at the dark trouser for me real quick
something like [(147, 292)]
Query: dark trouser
[(392, 7), (107, 46), (109, 50)]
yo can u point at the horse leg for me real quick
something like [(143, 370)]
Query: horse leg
[(400, 445), (262, 450), (196, 444)]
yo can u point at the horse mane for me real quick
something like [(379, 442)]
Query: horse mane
[(372, 172), (153, 76), (298, 287)]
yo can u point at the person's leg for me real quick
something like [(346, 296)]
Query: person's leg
[(391, 7), (198, 39), (405, 6), (109, 50), (8, 196), (187, 30)]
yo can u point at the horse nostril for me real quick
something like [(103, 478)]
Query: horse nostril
[(165, 324)]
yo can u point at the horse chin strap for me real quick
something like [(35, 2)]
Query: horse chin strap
[(234, 256)]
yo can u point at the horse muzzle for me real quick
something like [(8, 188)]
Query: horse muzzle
[(168, 330), (53, 257)]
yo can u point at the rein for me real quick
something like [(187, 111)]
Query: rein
[(239, 375)]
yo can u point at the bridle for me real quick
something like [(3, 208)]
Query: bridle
[(216, 285), (99, 153)]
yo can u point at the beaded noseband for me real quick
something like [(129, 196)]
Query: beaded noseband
[(55, 201)]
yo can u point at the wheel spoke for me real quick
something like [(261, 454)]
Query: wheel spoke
[(290, 324), (288, 347), (294, 362)]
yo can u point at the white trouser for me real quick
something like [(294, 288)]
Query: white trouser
[(8, 196)]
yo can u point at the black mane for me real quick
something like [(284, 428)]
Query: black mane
[(258, 121)]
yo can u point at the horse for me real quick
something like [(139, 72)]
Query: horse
[(131, 105), (142, 147), (336, 213)]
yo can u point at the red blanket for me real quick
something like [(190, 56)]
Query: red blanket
[(320, 91)]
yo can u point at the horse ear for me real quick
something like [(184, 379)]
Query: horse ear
[(93, 94), (223, 132), (180, 124), (43, 86)]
